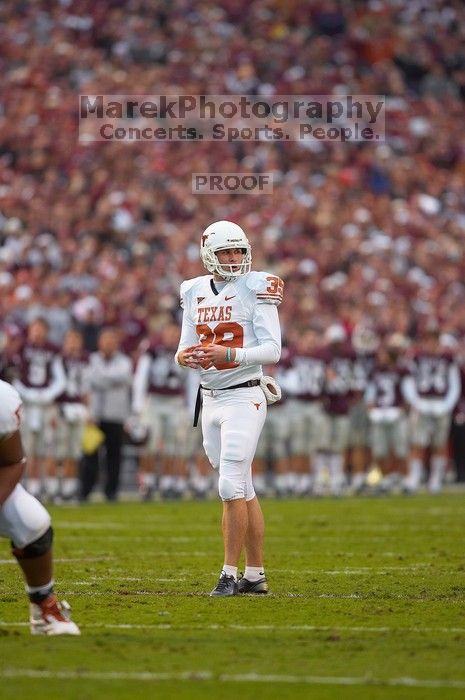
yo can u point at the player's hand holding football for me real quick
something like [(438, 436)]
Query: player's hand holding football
[(194, 359), (213, 355)]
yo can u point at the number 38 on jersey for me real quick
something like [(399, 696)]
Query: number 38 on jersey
[(226, 316)]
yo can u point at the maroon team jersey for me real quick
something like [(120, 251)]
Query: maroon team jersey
[(431, 373), (362, 368), (339, 366), (76, 370), (35, 364), (386, 385), (310, 372), (165, 376)]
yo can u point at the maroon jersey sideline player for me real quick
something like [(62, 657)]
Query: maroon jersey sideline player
[(40, 380), (432, 390)]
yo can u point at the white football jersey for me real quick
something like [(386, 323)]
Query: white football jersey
[(10, 407), (237, 314)]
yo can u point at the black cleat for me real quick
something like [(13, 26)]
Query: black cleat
[(246, 586), (227, 585)]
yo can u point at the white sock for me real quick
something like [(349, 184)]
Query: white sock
[(393, 478), (69, 487), (43, 590), (280, 482), (292, 480), (200, 483), (147, 479), (357, 480), (438, 468), (254, 573), (389, 481), (166, 482), (180, 484), (320, 469), (336, 471), (52, 485), (259, 482), (230, 570), (304, 483), (415, 470)]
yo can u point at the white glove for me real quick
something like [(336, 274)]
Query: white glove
[(271, 389)]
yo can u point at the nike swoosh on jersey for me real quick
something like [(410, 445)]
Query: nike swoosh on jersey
[(228, 298)]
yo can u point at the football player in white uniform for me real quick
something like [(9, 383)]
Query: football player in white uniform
[(27, 524), (159, 400), (230, 328)]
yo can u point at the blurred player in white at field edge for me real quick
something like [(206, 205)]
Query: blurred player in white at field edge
[(72, 412), (230, 328), (110, 387), (365, 343), (304, 383), (272, 447), (40, 380), (387, 411), (159, 400), (334, 428), (25, 522), (432, 390)]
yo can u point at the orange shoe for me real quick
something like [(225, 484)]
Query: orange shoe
[(52, 618)]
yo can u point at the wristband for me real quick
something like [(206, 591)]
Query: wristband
[(228, 355)]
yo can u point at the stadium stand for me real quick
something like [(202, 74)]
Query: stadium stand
[(101, 234)]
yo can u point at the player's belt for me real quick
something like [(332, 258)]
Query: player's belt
[(198, 400)]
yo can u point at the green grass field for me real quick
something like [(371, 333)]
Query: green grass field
[(367, 601)]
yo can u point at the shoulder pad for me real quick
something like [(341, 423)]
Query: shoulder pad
[(268, 288), (10, 405), (187, 286)]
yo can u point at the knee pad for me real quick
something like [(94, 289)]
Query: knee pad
[(37, 548), (227, 489), (230, 490), (232, 483), (24, 519)]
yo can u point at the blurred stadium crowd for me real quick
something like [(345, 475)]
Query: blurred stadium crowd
[(102, 234)]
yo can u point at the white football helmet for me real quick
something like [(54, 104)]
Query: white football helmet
[(335, 333), (222, 235)]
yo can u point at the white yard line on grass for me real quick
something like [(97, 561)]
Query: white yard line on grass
[(229, 678), (346, 571), (356, 570), (259, 628), (79, 593), (92, 525), (108, 525), (62, 560), (96, 579)]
